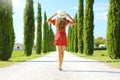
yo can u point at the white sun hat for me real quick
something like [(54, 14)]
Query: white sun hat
[(61, 14)]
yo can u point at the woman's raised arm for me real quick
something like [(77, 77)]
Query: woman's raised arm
[(72, 20), (49, 19)]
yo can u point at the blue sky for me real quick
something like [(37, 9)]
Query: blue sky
[(51, 6)]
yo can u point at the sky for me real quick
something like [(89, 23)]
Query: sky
[(52, 6)]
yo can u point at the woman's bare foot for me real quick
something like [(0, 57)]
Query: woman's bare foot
[(60, 69)]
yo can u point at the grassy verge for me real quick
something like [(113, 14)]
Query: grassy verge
[(102, 55), (19, 56)]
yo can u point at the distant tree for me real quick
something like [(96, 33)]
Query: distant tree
[(6, 30), (29, 27), (113, 29), (80, 25), (39, 31), (99, 41), (88, 28)]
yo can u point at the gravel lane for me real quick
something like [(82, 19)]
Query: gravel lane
[(46, 68)]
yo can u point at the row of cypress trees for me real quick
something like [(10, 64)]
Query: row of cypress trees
[(73, 37), (29, 29), (48, 36), (7, 31), (76, 40), (85, 26), (80, 36), (7, 36)]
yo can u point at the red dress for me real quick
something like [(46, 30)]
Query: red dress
[(60, 37)]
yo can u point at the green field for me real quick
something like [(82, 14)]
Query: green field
[(19, 56), (103, 56)]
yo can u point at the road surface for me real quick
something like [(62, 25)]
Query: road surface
[(46, 68)]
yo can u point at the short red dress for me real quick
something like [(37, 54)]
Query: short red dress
[(60, 37)]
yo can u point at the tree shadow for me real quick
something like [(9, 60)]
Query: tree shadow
[(75, 61), (91, 71)]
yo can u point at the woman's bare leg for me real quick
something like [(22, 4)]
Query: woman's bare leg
[(60, 50), (59, 56), (62, 54)]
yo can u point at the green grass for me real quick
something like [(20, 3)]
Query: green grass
[(19, 56), (102, 55)]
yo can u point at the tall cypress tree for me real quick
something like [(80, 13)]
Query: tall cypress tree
[(39, 31), (88, 28), (29, 27), (6, 30), (69, 38), (75, 35), (80, 25), (12, 37), (1, 26), (113, 29), (72, 39), (45, 34)]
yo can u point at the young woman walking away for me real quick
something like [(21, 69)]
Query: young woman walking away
[(60, 21)]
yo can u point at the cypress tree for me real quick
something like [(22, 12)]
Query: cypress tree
[(48, 37), (113, 29), (88, 28), (12, 37), (51, 39), (6, 30), (45, 34), (39, 31), (1, 26), (29, 27), (80, 25), (69, 38), (72, 39), (75, 36)]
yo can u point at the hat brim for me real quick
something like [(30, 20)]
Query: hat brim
[(64, 16)]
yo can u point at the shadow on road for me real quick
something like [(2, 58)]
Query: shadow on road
[(92, 71), (64, 61)]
